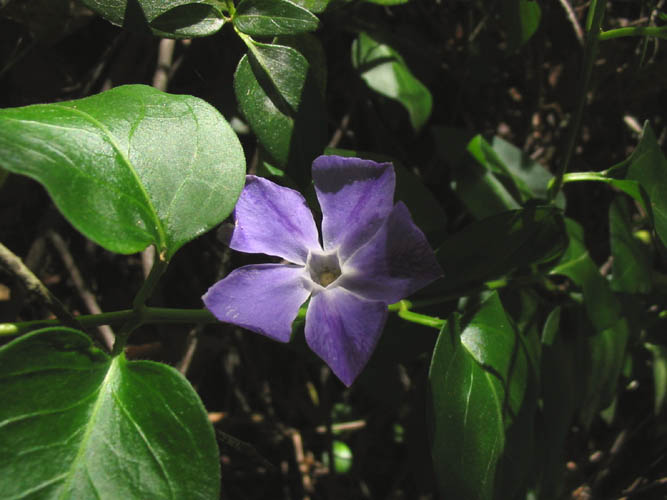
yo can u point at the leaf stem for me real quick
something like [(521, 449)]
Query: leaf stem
[(139, 304), (593, 24), (656, 31)]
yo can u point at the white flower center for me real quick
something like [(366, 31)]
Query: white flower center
[(324, 268)]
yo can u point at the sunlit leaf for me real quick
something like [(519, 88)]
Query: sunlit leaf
[(130, 167), (167, 18), (384, 70), (75, 423), (659, 353), (477, 386), (273, 17), (280, 99)]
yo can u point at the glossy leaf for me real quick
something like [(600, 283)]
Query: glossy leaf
[(521, 18), (284, 109), (273, 17), (498, 245), (315, 6), (477, 381), (384, 70), (631, 269), (648, 165), (75, 423), (166, 18), (130, 167)]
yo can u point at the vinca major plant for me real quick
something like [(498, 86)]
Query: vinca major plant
[(463, 309)]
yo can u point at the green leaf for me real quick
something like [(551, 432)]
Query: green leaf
[(560, 399), (528, 178), (388, 2), (130, 167), (315, 6), (521, 18), (75, 423), (604, 347), (166, 18), (631, 270), (283, 105), (477, 381), (659, 353), (648, 165), (498, 245), (384, 70), (273, 17)]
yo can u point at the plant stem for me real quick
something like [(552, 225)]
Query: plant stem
[(33, 284), (593, 24), (656, 31), (139, 304)]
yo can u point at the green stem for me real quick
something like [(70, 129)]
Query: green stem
[(151, 315), (139, 304), (656, 31), (593, 24)]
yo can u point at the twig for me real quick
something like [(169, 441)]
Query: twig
[(33, 285), (86, 295), (191, 346), (572, 17), (302, 465), (340, 131), (165, 57)]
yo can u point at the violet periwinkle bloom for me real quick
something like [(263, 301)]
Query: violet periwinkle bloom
[(372, 254)]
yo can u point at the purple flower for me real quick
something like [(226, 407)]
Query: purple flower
[(371, 255)]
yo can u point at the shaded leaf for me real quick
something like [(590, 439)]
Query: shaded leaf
[(659, 353), (648, 165), (167, 18), (498, 245), (604, 347), (130, 167), (273, 17), (75, 423), (521, 18), (631, 270), (384, 70)]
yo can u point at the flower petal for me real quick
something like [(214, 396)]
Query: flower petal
[(273, 220), (356, 196), (264, 298), (397, 262), (343, 330)]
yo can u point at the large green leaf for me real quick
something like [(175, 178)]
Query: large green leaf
[(130, 167), (279, 95), (273, 17), (648, 165), (631, 269), (498, 245), (384, 70), (167, 18), (75, 423), (477, 382)]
